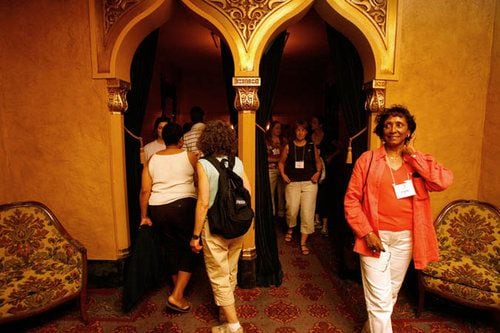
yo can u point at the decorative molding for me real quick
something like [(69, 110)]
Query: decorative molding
[(113, 9), (249, 253), (246, 15), (375, 96), (117, 95), (375, 10), (246, 98)]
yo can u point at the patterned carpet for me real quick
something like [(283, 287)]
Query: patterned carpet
[(311, 299)]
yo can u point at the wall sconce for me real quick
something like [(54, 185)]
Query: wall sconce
[(215, 39)]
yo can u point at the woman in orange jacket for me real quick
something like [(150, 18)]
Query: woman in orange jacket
[(387, 206)]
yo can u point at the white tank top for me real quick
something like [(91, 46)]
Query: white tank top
[(172, 177)]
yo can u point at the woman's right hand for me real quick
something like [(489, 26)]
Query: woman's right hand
[(146, 221), (374, 243), (286, 179)]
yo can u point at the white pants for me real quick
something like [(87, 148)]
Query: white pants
[(383, 277), (277, 189), (301, 195)]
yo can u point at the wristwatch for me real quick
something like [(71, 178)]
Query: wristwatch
[(195, 237)]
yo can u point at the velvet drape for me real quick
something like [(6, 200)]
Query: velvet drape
[(141, 72), (344, 97), (268, 266)]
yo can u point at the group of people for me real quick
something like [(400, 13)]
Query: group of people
[(387, 205), (178, 187)]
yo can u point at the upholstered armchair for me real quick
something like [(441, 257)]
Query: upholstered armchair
[(41, 265), (468, 271)]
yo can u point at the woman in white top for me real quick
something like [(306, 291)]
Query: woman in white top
[(168, 201), (157, 144)]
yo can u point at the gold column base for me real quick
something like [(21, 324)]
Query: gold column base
[(246, 269)]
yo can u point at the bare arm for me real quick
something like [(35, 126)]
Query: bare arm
[(319, 166), (147, 184), (281, 164), (201, 207)]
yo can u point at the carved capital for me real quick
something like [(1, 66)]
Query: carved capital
[(113, 9), (375, 96), (117, 95), (375, 11), (246, 98)]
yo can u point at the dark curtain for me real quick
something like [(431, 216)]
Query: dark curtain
[(228, 72), (268, 266), (141, 72), (345, 98), (143, 269)]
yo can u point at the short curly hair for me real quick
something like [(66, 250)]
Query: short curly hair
[(218, 139), (394, 111)]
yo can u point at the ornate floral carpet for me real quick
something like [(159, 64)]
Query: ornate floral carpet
[(312, 298)]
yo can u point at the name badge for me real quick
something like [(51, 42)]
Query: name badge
[(404, 190), (299, 164), (276, 151)]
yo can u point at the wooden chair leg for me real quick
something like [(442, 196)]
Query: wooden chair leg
[(421, 294), (83, 307)]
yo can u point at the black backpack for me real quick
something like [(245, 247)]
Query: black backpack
[(231, 213)]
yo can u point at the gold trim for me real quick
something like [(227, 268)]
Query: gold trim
[(246, 16), (375, 11), (251, 81), (114, 9), (117, 95), (249, 253), (246, 98), (375, 96)]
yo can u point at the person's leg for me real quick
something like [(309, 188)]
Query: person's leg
[(377, 287), (273, 182), (177, 295), (401, 255), (281, 204), (307, 208), (292, 193)]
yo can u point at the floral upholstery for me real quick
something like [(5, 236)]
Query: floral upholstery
[(469, 244), (40, 264)]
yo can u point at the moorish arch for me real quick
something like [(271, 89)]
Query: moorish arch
[(119, 26)]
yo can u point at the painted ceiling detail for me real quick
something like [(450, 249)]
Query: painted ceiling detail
[(113, 9), (246, 15), (375, 10)]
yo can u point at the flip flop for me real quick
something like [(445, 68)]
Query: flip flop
[(304, 249), (176, 308), (288, 236)]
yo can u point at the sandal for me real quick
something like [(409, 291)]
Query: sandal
[(288, 236), (304, 249)]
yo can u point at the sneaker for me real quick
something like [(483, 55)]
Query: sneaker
[(224, 328)]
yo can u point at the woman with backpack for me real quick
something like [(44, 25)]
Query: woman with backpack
[(221, 255)]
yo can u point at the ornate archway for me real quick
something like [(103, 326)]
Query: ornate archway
[(119, 26)]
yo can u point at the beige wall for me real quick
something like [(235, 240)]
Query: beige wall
[(444, 70), (489, 185), (54, 123)]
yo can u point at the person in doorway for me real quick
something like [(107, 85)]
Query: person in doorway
[(191, 137), (221, 255), (275, 143), (387, 205), (300, 167), (318, 137), (157, 144), (167, 201)]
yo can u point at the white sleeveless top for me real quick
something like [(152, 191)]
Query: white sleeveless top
[(172, 177)]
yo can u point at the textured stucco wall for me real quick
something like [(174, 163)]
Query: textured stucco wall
[(54, 123), (444, 65), (489, 186)]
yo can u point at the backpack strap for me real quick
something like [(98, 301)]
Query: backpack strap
[(219, 165)]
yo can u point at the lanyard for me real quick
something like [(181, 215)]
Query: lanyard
[(303, 152)]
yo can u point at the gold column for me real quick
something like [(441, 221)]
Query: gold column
[(374, 103), (246, 103), (117, 105)]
